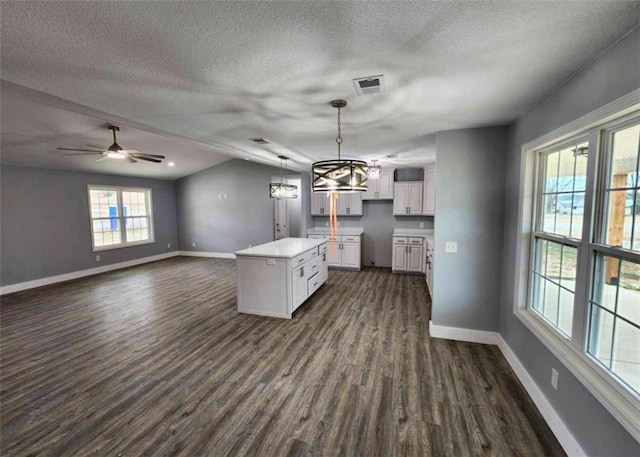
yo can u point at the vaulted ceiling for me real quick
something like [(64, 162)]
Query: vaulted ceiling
[(196, 80)]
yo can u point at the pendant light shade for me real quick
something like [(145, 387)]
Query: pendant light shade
[(374, 170), (282, 189), (339, 175)]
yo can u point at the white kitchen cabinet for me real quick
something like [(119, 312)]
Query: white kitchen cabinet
[(349, 204), (346, 251), (408, 255), (380, 188), (275, 278), (407, 200), (429, 200)]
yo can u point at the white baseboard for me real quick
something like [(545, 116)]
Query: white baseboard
[(217, 255), (462, 334), (82, 273), (560, 430)]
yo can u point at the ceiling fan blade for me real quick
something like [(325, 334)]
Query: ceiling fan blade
[(151, 156), (100, 159), (131, 159), (148, 159), (83, 154), (97, 147), (81, 150)]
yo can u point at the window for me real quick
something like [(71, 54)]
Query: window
[(580, 255), (120, 217)]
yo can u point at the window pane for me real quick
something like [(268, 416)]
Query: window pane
[(551, 299), (577, 214), (605, 281), (538, 293), (549, 213), (629, 292), (569, 267), (565, 315), (551, 172), (540, 265), (619, 218), (626, 353), (624, 157), (601, 334), (554, 251)]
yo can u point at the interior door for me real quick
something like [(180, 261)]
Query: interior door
[(281, 219)]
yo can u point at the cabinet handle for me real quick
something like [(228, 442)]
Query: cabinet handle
[(377, 194), (314, 266), (324, 257), (301, 272), (321, 210), (348, 210)]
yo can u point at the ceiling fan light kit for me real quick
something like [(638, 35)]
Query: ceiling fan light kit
[(282, 189), (115, 151), (339, 175)]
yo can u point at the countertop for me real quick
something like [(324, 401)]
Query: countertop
[(286, 248), (341, 231)]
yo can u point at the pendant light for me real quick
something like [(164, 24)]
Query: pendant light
[(339, 175), (374, 170), (282, 189)]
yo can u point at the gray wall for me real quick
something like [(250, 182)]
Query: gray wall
[(245, 217), (611, 76), (378, 222), (469, 208), (45, 222)]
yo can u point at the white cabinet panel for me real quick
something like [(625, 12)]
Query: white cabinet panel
[(299, 286), (344, 202), (399, 257), (334, 256), (408, 198), (355, 206), (429, 203), (415, 261), (408, 255), (318, 201), (380, 188), (351, 255)]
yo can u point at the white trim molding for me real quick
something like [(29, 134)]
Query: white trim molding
[(11, 288), (558, 427), (462, 334), (217, 255)]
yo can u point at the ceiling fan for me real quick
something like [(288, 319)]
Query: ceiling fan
[(115, 151)]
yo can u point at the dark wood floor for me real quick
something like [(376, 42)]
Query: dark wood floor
[(155, 360)]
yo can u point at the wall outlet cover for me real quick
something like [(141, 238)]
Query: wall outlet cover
[(97, 258), (168, 245), (451, 247), (554, 379), (193, 245), (421, 224)]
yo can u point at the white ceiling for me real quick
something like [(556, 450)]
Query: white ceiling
[(220, 73)]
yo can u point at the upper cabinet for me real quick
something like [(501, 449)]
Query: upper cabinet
[(429, 191), (349, 204), (408, 198), (380, 188)]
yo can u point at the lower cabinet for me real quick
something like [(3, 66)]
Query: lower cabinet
[(408, 255), (308, 277), (346, 251)]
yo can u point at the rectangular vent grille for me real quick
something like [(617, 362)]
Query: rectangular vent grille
[(369, 85)]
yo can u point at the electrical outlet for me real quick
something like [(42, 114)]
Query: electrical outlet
[(193, 245), (271, 262), (554, 379), (168, 245), (451, 247), (421, 224), (97, 258), (251, 245)]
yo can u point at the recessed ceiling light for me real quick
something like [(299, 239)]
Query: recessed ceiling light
[(171, 164)]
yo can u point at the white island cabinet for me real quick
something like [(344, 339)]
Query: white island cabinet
[(275, 278)]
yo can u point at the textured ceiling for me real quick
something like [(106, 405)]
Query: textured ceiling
[(224, 72)]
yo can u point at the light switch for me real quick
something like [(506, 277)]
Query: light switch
[(451, 247)]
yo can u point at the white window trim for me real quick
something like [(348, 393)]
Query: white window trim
[(623, 404), (151, 239)]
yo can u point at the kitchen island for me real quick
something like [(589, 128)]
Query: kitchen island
[(275, 278)]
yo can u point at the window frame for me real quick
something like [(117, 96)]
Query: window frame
[(121, 217), (618, 399)]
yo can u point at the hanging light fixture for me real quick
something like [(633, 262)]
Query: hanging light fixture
[(282, 189), (374, 170), (339, 175)]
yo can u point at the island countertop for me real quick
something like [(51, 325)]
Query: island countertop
[(286, 248)]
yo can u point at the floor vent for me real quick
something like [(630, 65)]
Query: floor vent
[(369, 85)]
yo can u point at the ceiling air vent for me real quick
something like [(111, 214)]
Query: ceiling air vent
[(370, 85), (260, 140)]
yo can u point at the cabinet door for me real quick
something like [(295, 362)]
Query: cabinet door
[(299, 286), (334, 254), (318, 203), (343, 204), (351, 255), (399, 261), (400, 199), (385, 185), (355, 204), (324, 267), (415, 198), (429, 191), (415, 262), (372, 189)]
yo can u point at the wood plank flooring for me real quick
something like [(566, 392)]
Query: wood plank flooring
[(155, 361)]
